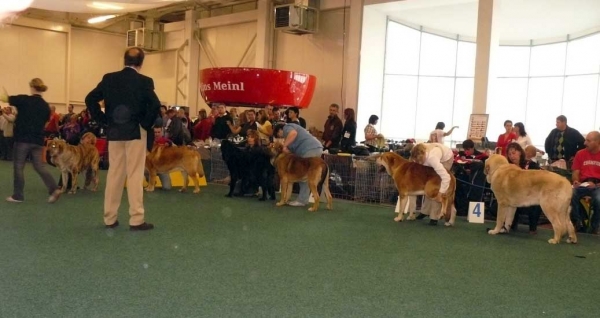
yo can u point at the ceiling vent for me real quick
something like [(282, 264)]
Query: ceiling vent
[(148, 40), (301, 17)]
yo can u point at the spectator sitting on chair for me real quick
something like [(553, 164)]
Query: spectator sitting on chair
[(516, 155), (586, 169), (469, 151), (563, 142)]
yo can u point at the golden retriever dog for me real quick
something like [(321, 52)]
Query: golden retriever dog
[(73, 160), (165, 158), (413, 179), (514, 187), (292, 168)]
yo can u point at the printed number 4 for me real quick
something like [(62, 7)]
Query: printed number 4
[(477, 210)]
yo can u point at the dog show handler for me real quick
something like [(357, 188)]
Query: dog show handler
[(299, 141)]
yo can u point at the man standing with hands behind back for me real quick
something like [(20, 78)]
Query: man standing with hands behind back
[(131, 106)]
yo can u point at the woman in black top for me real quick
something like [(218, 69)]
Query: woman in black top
[(516, 155), (349, 130), (32, 114)]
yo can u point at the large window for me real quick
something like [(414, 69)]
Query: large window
[(429, 78)]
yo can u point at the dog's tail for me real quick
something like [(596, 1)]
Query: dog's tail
[(324, 181)]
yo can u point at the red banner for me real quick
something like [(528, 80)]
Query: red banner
[(256, 87)]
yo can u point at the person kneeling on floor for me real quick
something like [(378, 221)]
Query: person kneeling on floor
[(159, 139), (440, 158)]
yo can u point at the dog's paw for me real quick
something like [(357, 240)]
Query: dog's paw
[(149, 189), (197, 191), (412, 218), (553, 241), (398, 218), (493, 232), (182, 190), (571, 241), (311, 209), (448, 224), (280, 203)]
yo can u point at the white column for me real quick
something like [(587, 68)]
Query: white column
[(264, 34), (352, 62), (193, 58), (487, 44)]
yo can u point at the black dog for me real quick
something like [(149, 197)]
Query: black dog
[(262, 171), (251, 166)]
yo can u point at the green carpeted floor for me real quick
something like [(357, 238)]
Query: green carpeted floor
[(215, 257)]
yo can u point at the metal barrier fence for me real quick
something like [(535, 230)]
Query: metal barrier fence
[(354, 178)]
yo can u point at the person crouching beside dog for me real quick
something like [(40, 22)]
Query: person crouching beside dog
[(299, 141), (159, 139), (440, 158)]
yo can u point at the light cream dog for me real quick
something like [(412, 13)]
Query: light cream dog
[(514, 187)]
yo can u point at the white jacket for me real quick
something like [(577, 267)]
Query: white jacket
[(436, 154), (7, 124)]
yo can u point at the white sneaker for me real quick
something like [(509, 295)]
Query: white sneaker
[(296, 203), (10, 199)]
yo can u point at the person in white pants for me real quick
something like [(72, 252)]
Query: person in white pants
[(440, 158)]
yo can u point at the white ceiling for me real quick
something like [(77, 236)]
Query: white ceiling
[(519, 20), (100, 6)]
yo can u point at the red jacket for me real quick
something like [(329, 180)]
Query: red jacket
[(202, 129)]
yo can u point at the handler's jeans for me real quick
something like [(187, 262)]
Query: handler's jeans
[(577, 211), (304, 193), (21, 151), (165, 179)]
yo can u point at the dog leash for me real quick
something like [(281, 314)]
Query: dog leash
[(473, 185)]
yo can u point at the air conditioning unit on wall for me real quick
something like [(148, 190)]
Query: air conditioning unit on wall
[(148, 40), (301, 17)]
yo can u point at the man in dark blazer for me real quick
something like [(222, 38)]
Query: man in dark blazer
[(131, 107)]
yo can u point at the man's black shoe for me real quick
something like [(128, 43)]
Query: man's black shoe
[(421, 216), (142, 227), (112, 226), (433, 222)]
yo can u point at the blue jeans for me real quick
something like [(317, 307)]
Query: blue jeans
[(577, 212), (165, 179), (304, 189), (21, 151)]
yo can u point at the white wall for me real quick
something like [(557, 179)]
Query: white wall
[(27, 53), (93, 54), (371, 68), (227, 44), (161, 67), (317, 54)]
